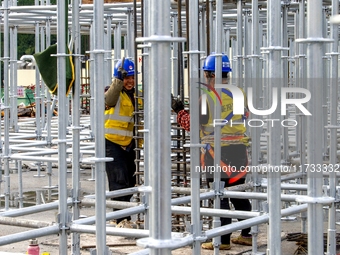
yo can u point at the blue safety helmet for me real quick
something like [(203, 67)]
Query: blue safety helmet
[(129, 66), (209, 63)]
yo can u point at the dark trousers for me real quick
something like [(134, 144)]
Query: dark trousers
[(120, 171), (233, 155)]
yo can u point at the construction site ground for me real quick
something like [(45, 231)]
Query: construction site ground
[(121, 245)]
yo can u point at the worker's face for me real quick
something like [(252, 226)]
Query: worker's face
[(129, 82)]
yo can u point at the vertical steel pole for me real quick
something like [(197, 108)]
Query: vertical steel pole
[(302, 83), (234, 60), (194, 64), (108, 53), (174, 58), (247, 49), (15, 78), (76, 124), (49, 114), (217, 113), (5, 156), (314, 126), (203, 24), (2, 83), (326, 85), (227, 41), (159, 130), (98, 22), (255, 131), (285, 74), (92, 85), (211, 28), (147, 98), (62, 125), (42, 89), (37, 82), (296, 69), (118, 41), (129, 34), (333, 96), (274, 141), (239, 36)]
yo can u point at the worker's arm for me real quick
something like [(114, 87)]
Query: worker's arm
[(183, 116), (112, 94)]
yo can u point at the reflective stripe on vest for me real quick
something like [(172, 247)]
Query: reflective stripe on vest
[(209, 129), (118, 132), (233, 175), (119, 121), (117, 116)]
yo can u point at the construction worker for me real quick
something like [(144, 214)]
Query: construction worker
[(119, 128), (234, 144)]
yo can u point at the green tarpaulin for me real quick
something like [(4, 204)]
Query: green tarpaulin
[(47, 65)]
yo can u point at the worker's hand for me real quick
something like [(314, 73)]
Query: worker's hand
[(122, 73), (176, 105)]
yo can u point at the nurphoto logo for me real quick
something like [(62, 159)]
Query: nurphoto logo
[(239, 109)]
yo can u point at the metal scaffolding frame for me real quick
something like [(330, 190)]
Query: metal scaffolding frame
[(271, 44)]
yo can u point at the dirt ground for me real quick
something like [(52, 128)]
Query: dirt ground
[(121, 245)]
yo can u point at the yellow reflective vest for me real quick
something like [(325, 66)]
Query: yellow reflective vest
[(236, 131), (119, 121)]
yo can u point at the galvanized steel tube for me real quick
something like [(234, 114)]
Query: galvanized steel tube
[(274, 141), (194, 64), (98, 12), (159, 130), (333, 111), (314, 126), (62, 122)]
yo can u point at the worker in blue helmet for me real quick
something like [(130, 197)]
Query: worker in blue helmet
[(119, 131), (209, 64), (234, 142)]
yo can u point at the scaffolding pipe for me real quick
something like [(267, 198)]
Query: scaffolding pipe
[(33, 209), (233, 227), (239, 56), (159, 151), (76, 188), (113, 215), (92, 73), (37, 81), (146, 107), (41, 83), (274, 141), (217, 185), (314, 42), (255, 131), (193, 69), (316, 33), (253, 221), (302, 74), (135, 233), (6, 106), (333, 110), (63, 217), (22, 236), (99, 107), (20, 190), (24, 222)]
